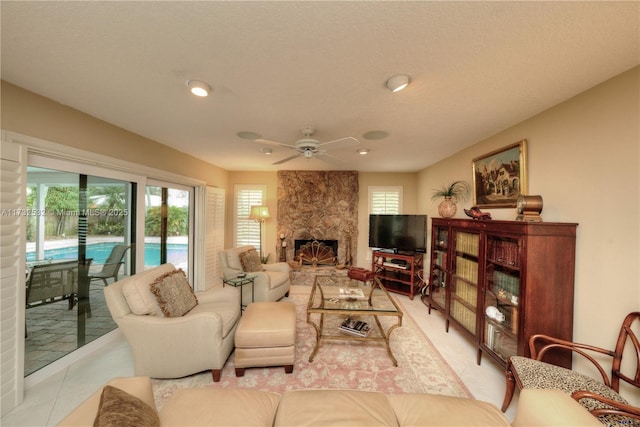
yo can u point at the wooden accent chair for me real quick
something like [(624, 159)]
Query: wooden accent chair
[(600, 397), (111, 266)]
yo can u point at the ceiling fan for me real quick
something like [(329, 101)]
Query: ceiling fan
[(308, 147)]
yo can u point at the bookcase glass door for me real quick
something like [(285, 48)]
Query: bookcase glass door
[(439, 266), (464, 286), (502, 295)]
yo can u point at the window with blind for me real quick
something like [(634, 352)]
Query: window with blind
[(247, 231), (385, 200)]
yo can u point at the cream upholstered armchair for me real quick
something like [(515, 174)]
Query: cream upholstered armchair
[(174, 347), (272, 280)]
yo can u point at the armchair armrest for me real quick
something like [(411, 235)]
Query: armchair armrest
[(219, 294), (282, 267), (229, 272), (172, 331), (540, 344), (617, 408)]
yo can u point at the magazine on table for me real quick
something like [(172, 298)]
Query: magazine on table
[(355, 327), (352, 293)]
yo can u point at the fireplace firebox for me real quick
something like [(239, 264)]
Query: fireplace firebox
[(316, 252)]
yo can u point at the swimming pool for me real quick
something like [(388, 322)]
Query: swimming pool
[(177, 253)]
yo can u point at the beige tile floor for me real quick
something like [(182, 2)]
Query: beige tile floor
[(49, 400)]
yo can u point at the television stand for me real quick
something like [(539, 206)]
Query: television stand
[(399, 273)]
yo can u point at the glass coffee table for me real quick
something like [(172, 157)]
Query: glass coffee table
[(341, 296)]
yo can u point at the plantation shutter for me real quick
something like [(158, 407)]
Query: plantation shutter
[(247, 230), (214, 230), (12, 273), (385, 200)]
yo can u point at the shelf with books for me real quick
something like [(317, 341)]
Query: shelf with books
[(355, 327), (504, 281)]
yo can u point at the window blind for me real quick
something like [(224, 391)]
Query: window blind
[(385, 200), (247, 230)]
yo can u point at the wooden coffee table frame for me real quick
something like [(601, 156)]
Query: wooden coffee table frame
[(325, 308)]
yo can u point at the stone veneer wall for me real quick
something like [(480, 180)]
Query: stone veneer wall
[(319, 205)]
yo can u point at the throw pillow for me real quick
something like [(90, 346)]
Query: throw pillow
[(139, 297), (119, 408), (174, 294), (250, 261)]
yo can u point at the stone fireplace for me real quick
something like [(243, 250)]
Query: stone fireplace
[(319, 205)]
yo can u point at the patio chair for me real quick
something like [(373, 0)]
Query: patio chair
[(111, 267), (52, 282)]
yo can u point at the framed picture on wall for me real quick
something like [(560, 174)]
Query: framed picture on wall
[(500, 176)]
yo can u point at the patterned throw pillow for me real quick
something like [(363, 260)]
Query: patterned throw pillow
[(174, 294), (250, 261), (119, 408)]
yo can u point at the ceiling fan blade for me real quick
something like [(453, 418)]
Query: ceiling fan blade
[(278, 144), (279, 162), (346, 141), (328, 158)]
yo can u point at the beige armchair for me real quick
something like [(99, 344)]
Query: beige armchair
[(270, 285), (174, 347)]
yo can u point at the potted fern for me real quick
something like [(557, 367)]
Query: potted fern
[(456, 191)]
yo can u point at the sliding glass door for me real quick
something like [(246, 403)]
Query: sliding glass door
[(80, 237), (168, 221)]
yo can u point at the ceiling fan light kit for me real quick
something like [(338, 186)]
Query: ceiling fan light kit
[(397, 83), (198, 88)]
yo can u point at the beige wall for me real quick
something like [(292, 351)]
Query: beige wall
[(408, 182), (30, 114), (270, 179), (584, 159)]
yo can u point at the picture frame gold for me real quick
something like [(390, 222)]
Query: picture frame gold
[(500, 176)]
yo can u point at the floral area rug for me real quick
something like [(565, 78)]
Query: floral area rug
[(341, 364)]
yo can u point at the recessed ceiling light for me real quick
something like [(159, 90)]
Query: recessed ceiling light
[(363, 151), (397, 83), (267, 151), (198, 88)]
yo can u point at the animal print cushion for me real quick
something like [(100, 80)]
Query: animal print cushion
[(174, 293), (535, 374), (250, 261)]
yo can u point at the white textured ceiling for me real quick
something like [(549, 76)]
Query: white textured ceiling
[(275, 67)]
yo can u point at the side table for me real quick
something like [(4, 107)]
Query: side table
[(240, 282)]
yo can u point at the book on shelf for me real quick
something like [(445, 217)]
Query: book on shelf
[(355, 327), (352, 293)]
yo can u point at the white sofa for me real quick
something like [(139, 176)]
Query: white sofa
[(174, 347), (269, 285)]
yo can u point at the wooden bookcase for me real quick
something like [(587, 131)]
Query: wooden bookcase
[(502, 281), (399, 273)]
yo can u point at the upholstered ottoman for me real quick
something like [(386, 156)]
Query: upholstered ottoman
[(266, 336)]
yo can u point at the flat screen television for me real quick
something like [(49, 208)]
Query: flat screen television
[(398, 233)]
